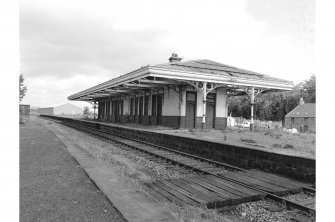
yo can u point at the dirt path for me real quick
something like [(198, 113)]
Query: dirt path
[(53, 187)]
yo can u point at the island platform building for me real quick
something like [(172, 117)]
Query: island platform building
[(178, 94)]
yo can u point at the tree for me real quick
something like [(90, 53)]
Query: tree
[(23, 88), (274, 105), (309, 90), (86, 111)]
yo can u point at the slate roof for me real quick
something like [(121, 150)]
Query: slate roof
[(192, 70), (303, 110), (216, 68)]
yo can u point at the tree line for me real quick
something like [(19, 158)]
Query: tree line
[(273, 105)]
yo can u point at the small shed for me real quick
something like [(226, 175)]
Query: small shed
[(301, 117)]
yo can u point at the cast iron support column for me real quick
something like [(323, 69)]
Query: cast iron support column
[(252, 102), (204, 105)]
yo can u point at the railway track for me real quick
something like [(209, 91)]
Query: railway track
[(203, 166)]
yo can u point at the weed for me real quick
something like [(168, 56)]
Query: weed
[(287, 146), (277, 145), (278, 136)]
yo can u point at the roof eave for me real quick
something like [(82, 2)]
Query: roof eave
[(155, 71), (209, 77)]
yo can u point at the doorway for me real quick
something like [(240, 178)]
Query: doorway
[(191, 102), (210, 111)]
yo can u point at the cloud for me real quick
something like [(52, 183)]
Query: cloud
[(66, 46), (49, 91), (294, 20)]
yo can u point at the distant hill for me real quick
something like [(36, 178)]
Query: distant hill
[(67, 109)]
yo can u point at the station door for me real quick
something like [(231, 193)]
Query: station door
[(210, 111), (159, 108), (191, 102), (141, 110)]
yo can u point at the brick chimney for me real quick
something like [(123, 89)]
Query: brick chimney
[(174, 58), (301, 101)]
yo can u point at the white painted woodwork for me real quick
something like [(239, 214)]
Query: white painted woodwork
[(126, 107), (183, 104), (170, 105), (199, 104), (221, 102)]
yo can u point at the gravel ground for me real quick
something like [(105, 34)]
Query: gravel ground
[(255, 211), (134, 163), (299, 197), (53, 187)]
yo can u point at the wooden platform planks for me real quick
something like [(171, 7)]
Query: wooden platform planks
[(202, 190), (262, 183), (280, 179), (222, 190)]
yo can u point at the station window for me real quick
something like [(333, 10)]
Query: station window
[(305, 128), (190, 97), (211, 98), (292, 119)]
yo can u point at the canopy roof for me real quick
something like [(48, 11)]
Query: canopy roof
[(181, 73)]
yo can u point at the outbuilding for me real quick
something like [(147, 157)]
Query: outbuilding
[(301, 117), (178, 94)]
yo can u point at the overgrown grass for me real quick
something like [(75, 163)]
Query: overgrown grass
[(275, 139)]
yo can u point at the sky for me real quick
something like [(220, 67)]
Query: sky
[(68, 46)]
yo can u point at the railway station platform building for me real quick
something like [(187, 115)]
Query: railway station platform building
[(178, 94)]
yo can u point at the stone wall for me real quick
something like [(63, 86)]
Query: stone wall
[(299, 123)]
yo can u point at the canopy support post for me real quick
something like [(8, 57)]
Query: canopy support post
[(252, 102), (204, 95)]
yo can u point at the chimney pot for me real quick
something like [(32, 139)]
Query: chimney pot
[(301, 101), (174, 58)]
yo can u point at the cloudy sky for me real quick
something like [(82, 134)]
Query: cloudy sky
[(68, 46)]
